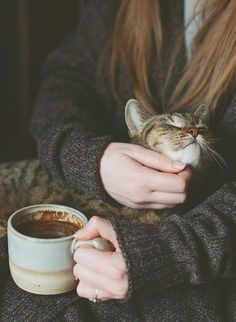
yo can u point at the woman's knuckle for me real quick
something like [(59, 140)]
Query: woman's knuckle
[(78, 255), (79, 290), (75, 256), (94, 220), (120, 290), (75, 270), (119, 274)]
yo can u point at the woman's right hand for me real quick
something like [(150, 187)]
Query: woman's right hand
[(141, 178)]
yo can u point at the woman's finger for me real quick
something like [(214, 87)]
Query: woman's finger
[(96, 227), (85, 290), (153, 180), (109, 263), (118, 288), (154, 159), (166, 198)]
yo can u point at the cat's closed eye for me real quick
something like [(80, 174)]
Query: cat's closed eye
[(184, 137)]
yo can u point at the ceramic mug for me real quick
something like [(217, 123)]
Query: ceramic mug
[(40, 262)]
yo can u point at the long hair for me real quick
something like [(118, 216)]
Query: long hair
[(211, 70)]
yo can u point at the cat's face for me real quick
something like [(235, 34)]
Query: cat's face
[(180, 136)]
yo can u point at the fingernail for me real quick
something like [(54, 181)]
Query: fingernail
[(178, 165)]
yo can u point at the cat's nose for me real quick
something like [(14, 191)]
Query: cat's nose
[(193, 131)]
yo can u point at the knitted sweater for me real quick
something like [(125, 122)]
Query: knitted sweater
[(183, 270)]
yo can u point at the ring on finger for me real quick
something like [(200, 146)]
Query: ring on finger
[(96, 298)]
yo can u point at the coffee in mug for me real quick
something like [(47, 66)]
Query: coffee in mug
[(47, 224), (41, 247)]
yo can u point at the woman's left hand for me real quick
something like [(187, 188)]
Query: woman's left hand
[(102, 275)]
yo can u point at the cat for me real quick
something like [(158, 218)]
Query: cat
[(180, 136), (183, 137)]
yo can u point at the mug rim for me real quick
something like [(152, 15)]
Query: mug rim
[(11, 228)]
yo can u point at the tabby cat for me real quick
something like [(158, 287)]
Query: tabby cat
[(180, 136)]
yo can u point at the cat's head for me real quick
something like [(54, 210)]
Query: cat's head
[(180, 136)]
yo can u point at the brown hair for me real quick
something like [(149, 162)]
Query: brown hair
[(209, 74)]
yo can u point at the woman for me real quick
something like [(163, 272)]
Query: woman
[(183, 270)]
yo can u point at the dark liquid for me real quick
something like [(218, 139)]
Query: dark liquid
[(47, 229)]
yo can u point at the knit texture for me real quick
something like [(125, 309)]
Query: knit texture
[(181, 271), (185, 249), (75, 115)]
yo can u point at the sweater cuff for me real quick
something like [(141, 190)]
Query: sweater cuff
[(149, 259)]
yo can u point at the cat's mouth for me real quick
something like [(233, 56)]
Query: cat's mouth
[(194, 142)]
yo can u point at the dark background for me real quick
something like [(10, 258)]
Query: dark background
[(29, 30)]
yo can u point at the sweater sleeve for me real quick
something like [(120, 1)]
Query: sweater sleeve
[(69, 121), (196, 247)]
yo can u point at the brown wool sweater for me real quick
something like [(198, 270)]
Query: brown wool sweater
[(184, 270)]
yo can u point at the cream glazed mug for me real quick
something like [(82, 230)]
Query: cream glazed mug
[(45, 265)]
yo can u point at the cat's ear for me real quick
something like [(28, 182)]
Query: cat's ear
[(202, 114), (135, 117)]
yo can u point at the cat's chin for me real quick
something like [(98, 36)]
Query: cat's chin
[(190, 155)]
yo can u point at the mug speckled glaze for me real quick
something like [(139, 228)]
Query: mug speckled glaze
[(45, 265)]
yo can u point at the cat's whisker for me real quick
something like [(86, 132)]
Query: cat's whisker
[(213, 141), (216, 144), (220, 158), (215, 156)]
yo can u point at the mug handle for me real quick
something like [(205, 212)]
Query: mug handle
[(98, 243)]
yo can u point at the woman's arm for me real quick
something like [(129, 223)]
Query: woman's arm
[(195, 248), (69, 121), (73, 122)]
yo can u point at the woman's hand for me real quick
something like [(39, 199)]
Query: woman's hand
[(101, 274), (140, 178)]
